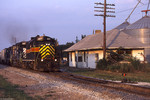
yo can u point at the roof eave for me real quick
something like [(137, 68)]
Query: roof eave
[(100, 48)]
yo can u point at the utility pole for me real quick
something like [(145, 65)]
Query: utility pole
[(104, 10), (104, 38)]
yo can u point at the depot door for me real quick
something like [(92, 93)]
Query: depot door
[(91, 61)]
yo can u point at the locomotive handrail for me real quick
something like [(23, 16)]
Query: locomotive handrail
[(37, 57)]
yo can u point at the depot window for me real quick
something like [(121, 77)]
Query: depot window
[(84, 56), (71, 56), (79, 58), (125, 52), (96, 57)]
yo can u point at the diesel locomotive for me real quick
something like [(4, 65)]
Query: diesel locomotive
[(40, 53)]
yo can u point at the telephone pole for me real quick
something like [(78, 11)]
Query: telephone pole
[(104, 10)]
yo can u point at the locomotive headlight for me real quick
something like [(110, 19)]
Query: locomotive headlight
[(55, 59), (48, 39), (42, 60), (23, 43), (47, 44)]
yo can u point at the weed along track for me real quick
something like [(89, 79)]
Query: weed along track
[(64, 86)]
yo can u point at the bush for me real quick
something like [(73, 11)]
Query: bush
[(114, 57), (102, 64), (124, 68), (113, 67), (135, 63), (145, 67), (112, 63)]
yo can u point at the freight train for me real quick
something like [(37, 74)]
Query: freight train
[(40, 53)]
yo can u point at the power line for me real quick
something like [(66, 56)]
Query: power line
[(139, 1), (148, 4), (129, 9)]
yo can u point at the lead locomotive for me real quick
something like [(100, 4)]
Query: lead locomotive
[(39, 53)]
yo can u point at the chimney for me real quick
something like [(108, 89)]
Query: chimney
[(97, 31)]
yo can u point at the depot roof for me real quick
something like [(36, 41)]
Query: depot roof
[(114, 39)]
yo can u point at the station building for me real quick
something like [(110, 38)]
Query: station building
[(134, 39)]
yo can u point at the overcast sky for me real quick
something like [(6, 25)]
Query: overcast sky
[(60, 19)]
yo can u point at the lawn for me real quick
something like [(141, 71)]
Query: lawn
[(109, 75), (12, 92)]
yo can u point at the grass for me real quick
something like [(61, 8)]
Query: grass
[(115, 76), (38, 97), (8, 90)]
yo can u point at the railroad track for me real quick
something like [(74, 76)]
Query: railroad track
[(139, 90)]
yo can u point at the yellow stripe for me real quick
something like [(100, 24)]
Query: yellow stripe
[(45, 55), (49, 49), (42, 48), (45, 52), (52, 48), (52, 51)]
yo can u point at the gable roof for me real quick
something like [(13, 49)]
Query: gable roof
[(114, 39)]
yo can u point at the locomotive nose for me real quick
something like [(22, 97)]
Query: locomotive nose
[(47, 50)]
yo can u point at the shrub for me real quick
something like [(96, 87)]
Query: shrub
[(136, 64), (112, 63), (114, 57), (102, 64), (146, 67), (114, 67), (124, 68)]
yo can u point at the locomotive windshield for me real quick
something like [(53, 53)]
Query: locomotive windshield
[(45, 41)]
